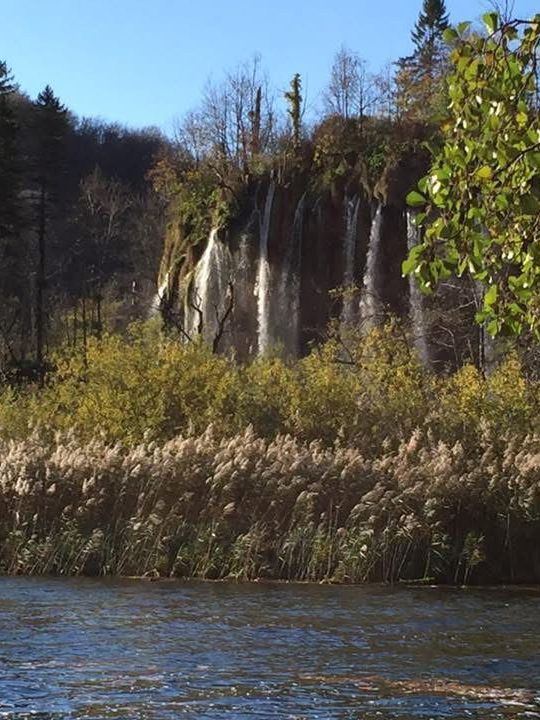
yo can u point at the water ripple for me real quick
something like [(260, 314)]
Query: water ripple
[(126, 649)]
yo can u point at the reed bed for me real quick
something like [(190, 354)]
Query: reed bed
[(247, 507)]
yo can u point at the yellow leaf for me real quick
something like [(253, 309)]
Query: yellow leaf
[(485, 172)]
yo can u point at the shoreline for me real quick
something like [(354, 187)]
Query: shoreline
[(525, 587)]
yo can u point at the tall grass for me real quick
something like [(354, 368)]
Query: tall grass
[(247, 507)]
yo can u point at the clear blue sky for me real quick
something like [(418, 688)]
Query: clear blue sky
[(143, 62)]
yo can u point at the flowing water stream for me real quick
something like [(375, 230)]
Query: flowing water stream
[(370, 306), (209, 291), (84, 648), (263, 286)]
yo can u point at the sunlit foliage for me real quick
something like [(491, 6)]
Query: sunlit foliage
[(483, 190)]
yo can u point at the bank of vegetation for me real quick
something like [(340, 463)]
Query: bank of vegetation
[(148, 456), (127, 449)]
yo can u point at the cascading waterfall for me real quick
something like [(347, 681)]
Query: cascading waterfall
[(155, 305), (370, 305), (352, 206), (289, 287), (283, 253), (207, 297), (416, 300), (263, 284)]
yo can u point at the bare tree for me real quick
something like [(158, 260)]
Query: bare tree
[(350, 89), (191, 136), (222, 319), (252, 108), (366, 90), (103, 205), (236, 118), (178, 321), (385, 93), (343, 86)]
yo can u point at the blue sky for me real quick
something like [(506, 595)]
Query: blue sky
[(143, 62)]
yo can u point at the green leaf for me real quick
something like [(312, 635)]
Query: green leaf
[(408, 266), (490, 298), (414, 199), (502, 202), (493, 327), (491, 21), (450, 36), (534, 159), (413, 262), (423, 183)]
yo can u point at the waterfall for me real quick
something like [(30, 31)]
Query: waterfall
[(289, 287), (155, 305), (416, 301), (349, 256), (207, 296), (263, 287), (370, 304)]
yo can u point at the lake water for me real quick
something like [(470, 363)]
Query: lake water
[(135, 649)]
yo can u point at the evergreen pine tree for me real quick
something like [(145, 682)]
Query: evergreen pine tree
[(419, 77), (428, 30), (50, 131)]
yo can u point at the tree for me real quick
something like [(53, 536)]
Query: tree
[(481, 198), (342, 91), (14, 308), (294, 110), (385, 93), (12, 256), (429, 29), (349, 91), (420, 76), (235, 121), (255, 117), (190, 136), (50, 130), (103, 205), (9, 161)]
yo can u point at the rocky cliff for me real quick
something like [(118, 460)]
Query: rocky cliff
[(295, 256)]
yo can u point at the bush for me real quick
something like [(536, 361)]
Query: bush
[(372, 394)]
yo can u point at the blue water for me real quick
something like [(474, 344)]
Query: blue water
[(136, 649)]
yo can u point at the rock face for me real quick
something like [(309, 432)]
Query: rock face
[(297, 257)]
